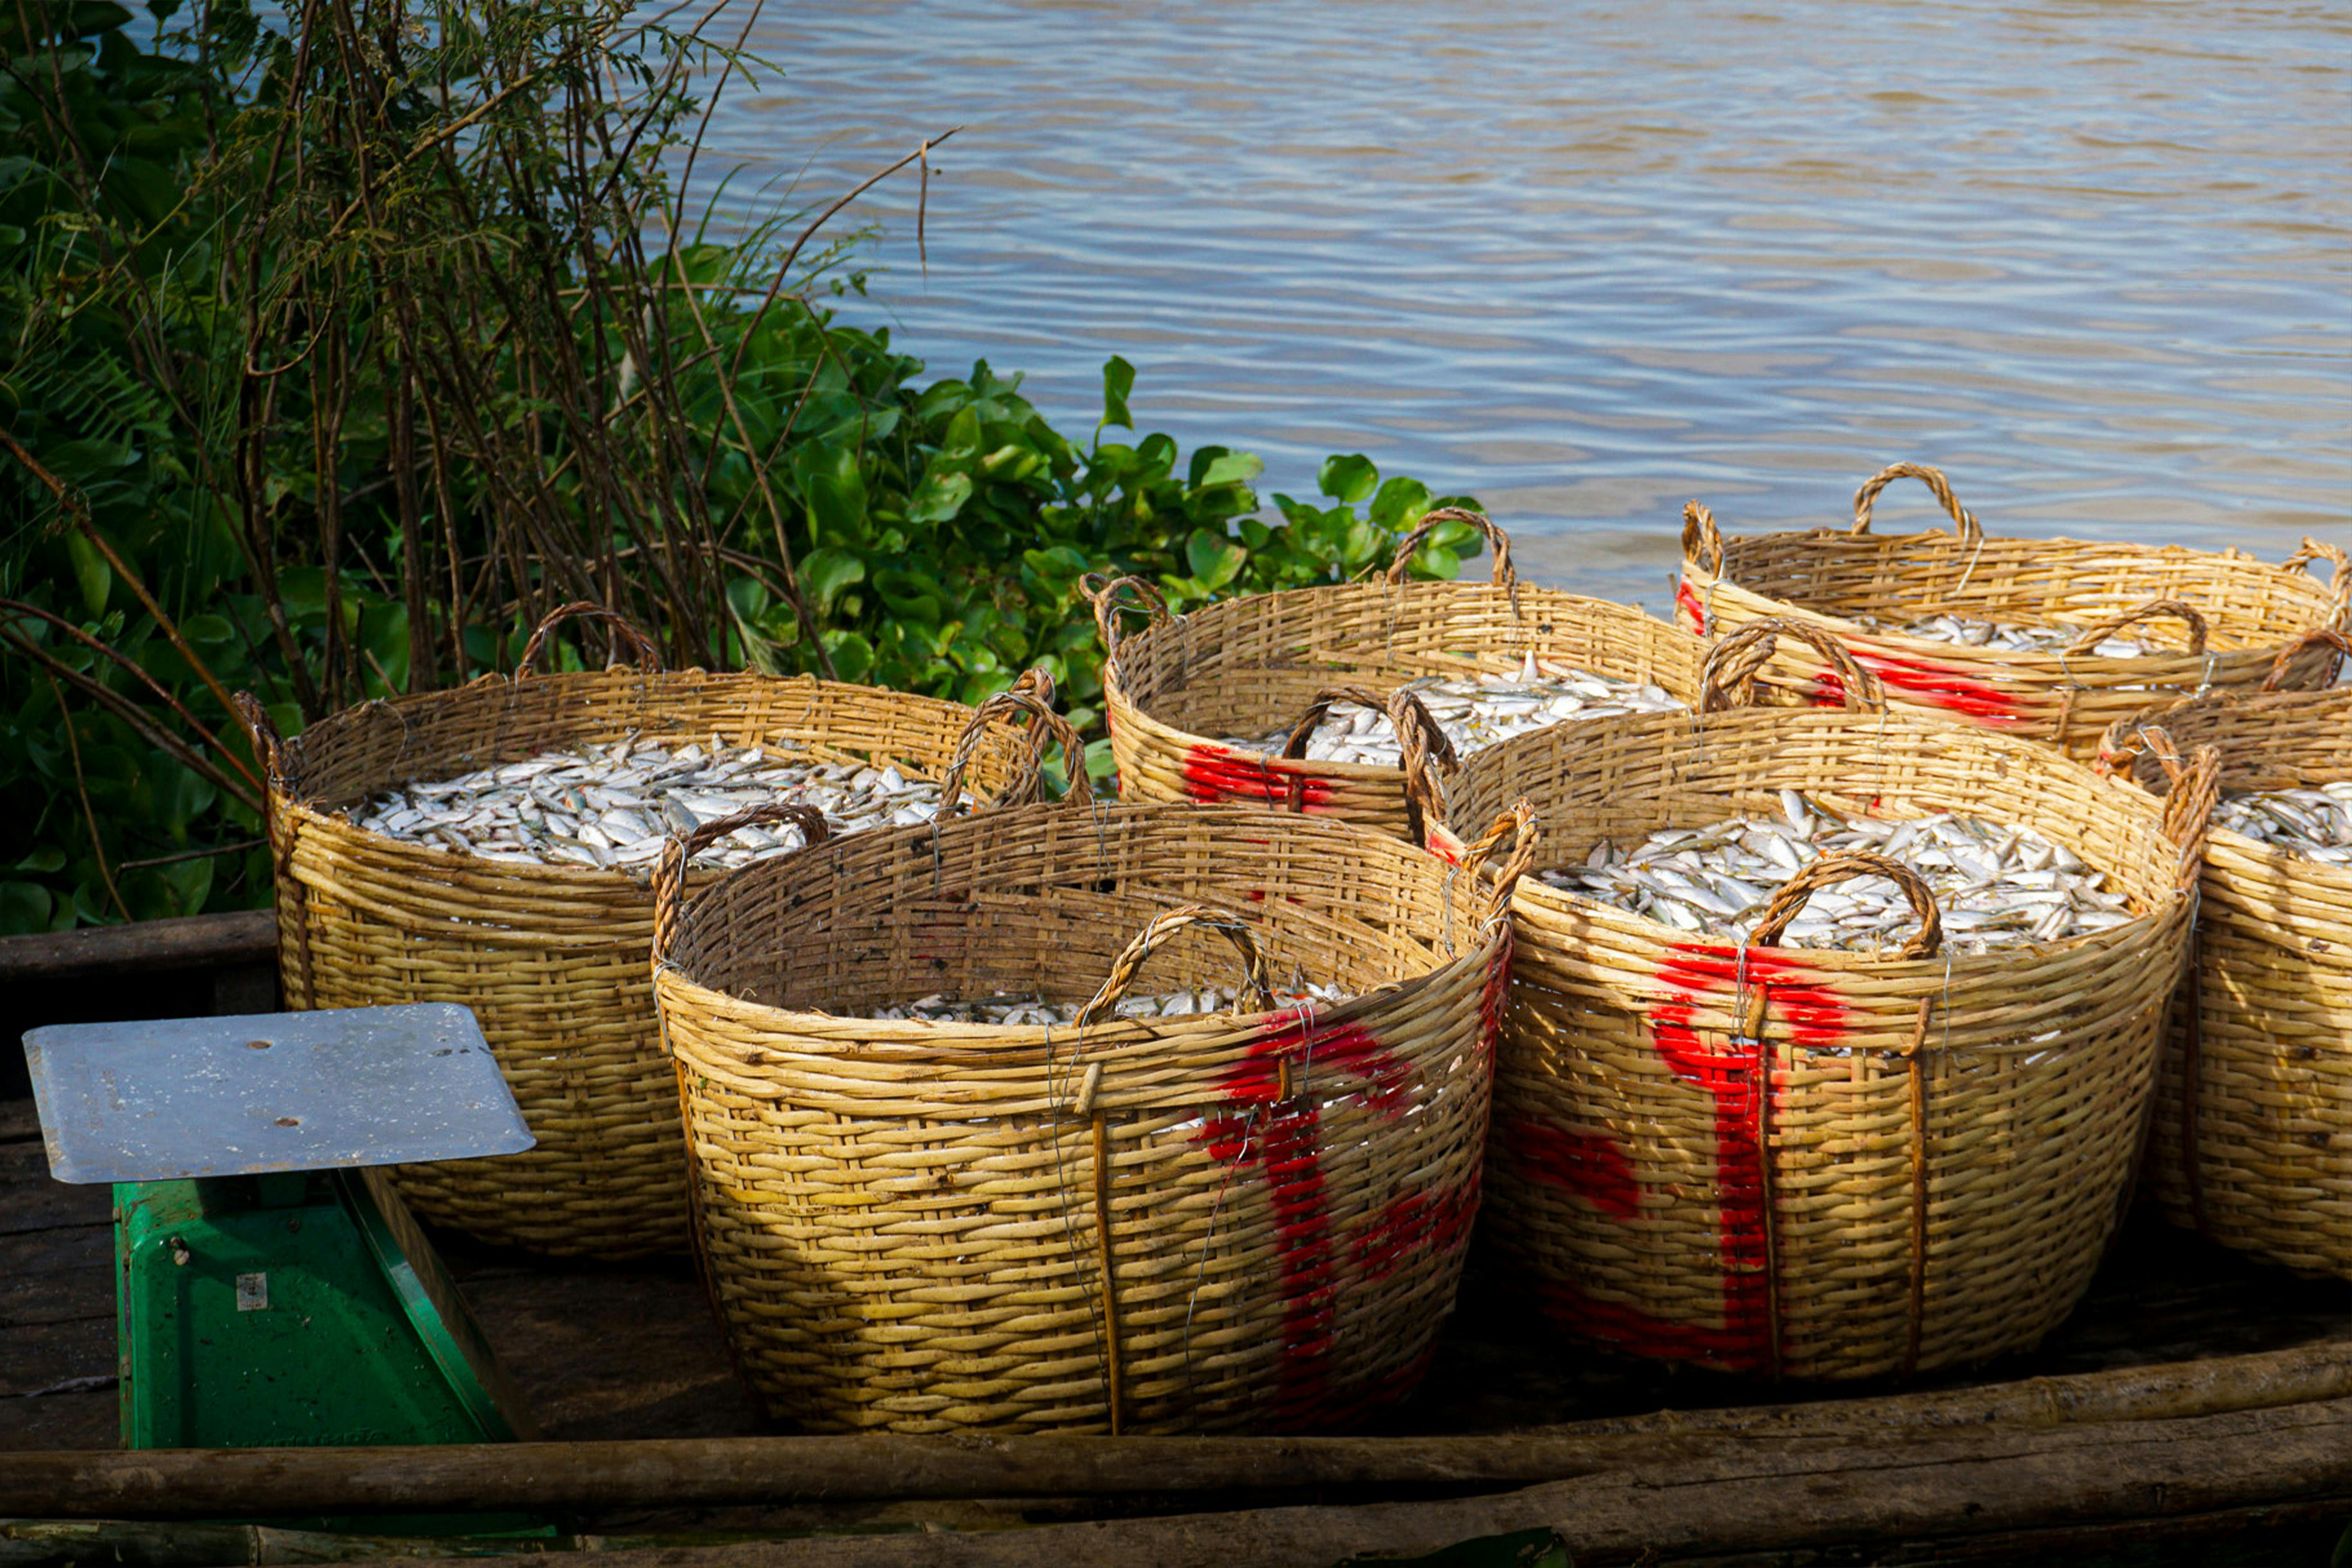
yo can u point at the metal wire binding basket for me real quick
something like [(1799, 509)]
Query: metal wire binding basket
[(552, 959), (1811, 1162), (2253, 1136), (2227, 614), (1250, 664), (1248, 1220)]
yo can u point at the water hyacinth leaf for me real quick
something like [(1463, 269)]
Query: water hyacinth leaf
[(833, 489), (1118, 381), (208, 630), (825, 573), (940, 496), (1400, 504), (1215, 466), (1348, 477), (48, 858), (24, 907), (1214, 561), (853, 655), (92, 575)]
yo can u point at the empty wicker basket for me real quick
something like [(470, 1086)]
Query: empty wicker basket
[(2223, 616), (1247, 1220), (1818, 1163), (552, 959), (1252, 665), (2257, 1080)]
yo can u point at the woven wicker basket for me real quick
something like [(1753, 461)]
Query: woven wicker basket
[(1247, 666), (2230, 614), (1252, 1220), (552, 959), (1947, 1140), (2262, 1027)]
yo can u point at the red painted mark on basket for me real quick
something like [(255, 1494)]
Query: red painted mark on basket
[(1414, 1225), (1213, 774), (1592, 1165), (1688, 604), (1613, 1323), (1284, 1137), (1926, 680), (1730, 1070)]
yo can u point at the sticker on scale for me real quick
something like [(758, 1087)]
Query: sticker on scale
[(253, 1292)]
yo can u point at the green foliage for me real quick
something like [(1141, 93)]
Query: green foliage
[(344, 425)]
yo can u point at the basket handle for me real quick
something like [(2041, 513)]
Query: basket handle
[(1797, 890), (1518, 825), (1403, 707), (1727, 679), (2090, 635), (2194, 788), (647, 652), (1105, 592), (2321, 636), (2339, 582), (1257, 973), (1702, 540), (1964, 522), (1032, 697), (670, 874), (262, 728), (1505, 575)]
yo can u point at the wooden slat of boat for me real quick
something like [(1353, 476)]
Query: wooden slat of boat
[(681, 1472), (1715, 1494), (192, 941)]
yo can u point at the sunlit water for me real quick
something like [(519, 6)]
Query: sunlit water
[(1590, 261)]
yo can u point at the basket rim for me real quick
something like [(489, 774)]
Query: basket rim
[(1115, 686)]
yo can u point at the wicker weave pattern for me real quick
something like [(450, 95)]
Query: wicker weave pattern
[(906, 1224), (1248, 665), (2248, 610), (1946, 1138), (552, 959), (2263, 1026)]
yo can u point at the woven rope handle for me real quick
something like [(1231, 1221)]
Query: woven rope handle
[(1105, 594), (2321, 637), (2192, 789), (680, 849), (1505, 575), (1727, 679), (1784, 905), (1518, 825), (1257, 973), (1964, 522), (1415, 726), (262, 728), (2340, 582), (649, 652), (1022, 698), (2091, 636), (1702, 540)]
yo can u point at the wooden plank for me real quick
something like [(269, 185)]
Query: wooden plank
[(57, 1276), (31, 1199), (1740, 1494), (713, 1471), (35, 1356), (189, 942)]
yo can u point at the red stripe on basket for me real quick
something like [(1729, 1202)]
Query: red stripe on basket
[(1213, 774), (1688, 604), (1417, 1225), (1926, 680), (1284, 1136), (1614, 1323), (1592, 1165)]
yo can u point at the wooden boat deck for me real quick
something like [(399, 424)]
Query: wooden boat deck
[(629, 1351)]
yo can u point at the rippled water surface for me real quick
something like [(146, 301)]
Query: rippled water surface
[(1590, 261)]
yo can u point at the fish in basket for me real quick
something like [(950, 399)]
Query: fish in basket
[(2052, 639), (1308, 699), (494, 845), (2252, 1137), (1833, 1031), (1087, 1118)]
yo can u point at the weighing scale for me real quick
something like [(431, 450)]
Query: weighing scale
[(272, 1289)]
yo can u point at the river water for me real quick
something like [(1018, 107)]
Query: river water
[(1590, 261)]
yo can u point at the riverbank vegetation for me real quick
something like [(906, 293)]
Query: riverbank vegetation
[(338, 351)]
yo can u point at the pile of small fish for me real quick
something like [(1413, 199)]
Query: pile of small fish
[(1996, 885), (2316, 824), (615, 805), (1034, 1010), (1477, 711), (2005, 637)]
